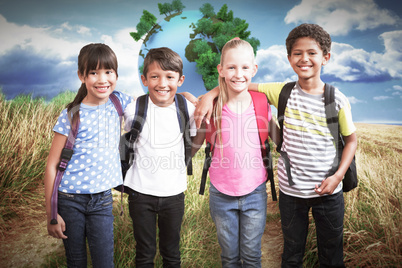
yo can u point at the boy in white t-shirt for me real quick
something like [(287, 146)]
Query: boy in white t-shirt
[(158, 178)]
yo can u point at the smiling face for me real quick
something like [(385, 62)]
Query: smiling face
[(162, 84), (237, 68), (100, 83), (307, 58)]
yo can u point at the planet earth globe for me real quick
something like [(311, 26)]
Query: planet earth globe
[(176, 35)]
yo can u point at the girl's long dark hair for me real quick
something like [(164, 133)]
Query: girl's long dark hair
[(91, 57)]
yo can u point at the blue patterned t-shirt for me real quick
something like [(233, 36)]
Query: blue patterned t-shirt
[(95, 164)]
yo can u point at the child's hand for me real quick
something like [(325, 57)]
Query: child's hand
[(328, 185), (56, 230), (203, 110)]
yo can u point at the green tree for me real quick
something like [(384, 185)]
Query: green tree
[(148, 17), (255, 43), (205, 27), (147, 21), (167, 8), (206, 66), (229, 16), (221, 28), (177, 6), (207, 10), (162, 9), (201, 46), (222, 14)]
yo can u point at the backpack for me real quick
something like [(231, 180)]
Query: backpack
[(350, 180), (261, 107), (127, 141), (66, 155)]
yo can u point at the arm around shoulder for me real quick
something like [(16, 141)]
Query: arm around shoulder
[(205, 106), (198, 140)]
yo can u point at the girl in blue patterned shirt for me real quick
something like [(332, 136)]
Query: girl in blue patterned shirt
[(84, 195)]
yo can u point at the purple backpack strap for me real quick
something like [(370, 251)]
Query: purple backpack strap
[(113, 98), (66, 155)]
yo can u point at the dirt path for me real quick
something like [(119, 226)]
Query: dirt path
[(27, 243), (272, 241)]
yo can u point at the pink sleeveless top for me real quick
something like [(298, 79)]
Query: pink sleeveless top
[(240, 169)]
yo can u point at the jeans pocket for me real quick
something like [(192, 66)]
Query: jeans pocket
[(133, 196), (66, 196), (180, 197), (334, 209), (107, 198)]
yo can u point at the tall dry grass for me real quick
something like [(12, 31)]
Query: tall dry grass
[(373, 211), (25, 136), (372, 215)]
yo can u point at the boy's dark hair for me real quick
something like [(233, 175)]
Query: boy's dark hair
[(167, 59), (309, 30)]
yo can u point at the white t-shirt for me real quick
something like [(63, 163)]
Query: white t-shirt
[(159, 167)]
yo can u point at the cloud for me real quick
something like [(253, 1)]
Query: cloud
[(352, 64), (347, 63), (126, 50), (381, 98), (339, 17), (38, 40), (273, 65), (43, 60), (397, 87), (392, 57), (354, 100)]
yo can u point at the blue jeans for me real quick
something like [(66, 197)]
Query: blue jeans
[(240, 223), (328, 214), (146, 212), (88, 217)]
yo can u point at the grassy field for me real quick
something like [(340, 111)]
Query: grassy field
[(373, 210)]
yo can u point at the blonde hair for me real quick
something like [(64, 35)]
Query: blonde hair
[(223, 89)]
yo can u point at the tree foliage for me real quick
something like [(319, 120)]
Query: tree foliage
[(219, 29), (147, 22), (167, 8), (178, 6), (207, 10)]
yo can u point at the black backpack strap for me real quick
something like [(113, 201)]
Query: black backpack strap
[(267, 160), (333, 124), (282, 102), (205, 168), (209, 150), (184, 122), (128, 140)]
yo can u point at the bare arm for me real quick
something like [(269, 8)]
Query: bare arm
[(53, 160), (329, 184), (190, 97), (205, 106), (253, 87), (274, 131), (198, 140)]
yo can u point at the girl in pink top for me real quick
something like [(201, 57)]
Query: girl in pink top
[(238, 198)]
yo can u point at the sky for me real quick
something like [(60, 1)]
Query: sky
[(40, 42)]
